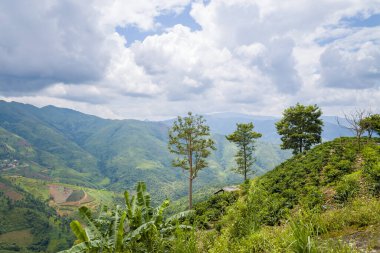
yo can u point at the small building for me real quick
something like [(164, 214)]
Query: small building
[(228, 189)]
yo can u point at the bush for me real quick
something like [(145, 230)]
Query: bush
[(372, 167), (347, 188)]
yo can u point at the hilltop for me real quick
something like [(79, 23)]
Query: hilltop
[(325, 200)]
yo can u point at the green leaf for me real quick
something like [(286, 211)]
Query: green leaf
[(78, 230)]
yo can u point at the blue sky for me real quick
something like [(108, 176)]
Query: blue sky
[(133, 33), (158, 59)]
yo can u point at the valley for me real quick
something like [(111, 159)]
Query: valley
[(60, 160)]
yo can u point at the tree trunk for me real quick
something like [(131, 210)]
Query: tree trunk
[(190, 193), (245, 165), (190, 177)]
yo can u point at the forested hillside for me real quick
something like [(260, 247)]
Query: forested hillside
[(67, 146)]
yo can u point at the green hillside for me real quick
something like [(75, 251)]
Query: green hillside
[(326, 200), (28, 224), (66, 146)]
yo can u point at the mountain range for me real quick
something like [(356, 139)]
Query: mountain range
[(67, 146)]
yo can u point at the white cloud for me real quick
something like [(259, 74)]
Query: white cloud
[(353, 62), (248, 56)]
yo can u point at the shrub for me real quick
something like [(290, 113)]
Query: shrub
[(372, 167), (347, 188)]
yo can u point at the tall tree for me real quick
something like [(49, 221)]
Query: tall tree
[(244, 137), (371, 124), (300, 127), (189, 139)]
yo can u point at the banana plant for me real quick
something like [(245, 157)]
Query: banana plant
[(138, 227)]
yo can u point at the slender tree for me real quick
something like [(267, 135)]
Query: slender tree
[(300, 127), (355, 123), (244, 137), (371, 124), (189, 139)]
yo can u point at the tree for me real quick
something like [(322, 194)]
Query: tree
[(355, 123), (300, 127), (371, 124), (189, 139), (244, 137)]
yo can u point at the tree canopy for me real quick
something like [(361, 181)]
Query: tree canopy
[(244, 137), (300, 127), (371, 124), (189, 139)]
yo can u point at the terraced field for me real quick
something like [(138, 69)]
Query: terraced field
[(65, 198)]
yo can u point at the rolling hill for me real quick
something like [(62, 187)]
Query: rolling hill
[(67, 146), (325, 200)]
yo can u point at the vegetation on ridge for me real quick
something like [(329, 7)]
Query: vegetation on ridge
[(244, 137), (189, 140)]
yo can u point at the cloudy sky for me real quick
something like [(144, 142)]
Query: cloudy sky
[(153, 59)]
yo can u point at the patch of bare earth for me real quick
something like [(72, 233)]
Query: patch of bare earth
[(13, 195), (86, 199), (367, 240), (59, 193)]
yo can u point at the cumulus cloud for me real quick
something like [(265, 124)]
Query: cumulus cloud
[(44, 42), (353, 62), (246, 56)]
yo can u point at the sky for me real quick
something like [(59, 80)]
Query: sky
[(155, 59)]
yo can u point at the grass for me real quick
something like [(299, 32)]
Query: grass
[(321, 201), (23, 237)]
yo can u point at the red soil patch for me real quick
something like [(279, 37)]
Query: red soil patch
[(13, 195), (3, 186), (59, 193)]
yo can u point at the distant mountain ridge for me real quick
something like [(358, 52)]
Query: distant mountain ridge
[(72, 147), (225, 123)]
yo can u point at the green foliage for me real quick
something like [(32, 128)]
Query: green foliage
[(303, 229), (66, 146), (208, 213), (184, 241), (300, 207), (189, 139), (371, 124), (300, 127), (244, 137), (138, 227), (25, 213), (347, 188), (372, 167), (76, 195)]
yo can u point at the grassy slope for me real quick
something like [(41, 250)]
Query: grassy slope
[(317, 202)]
